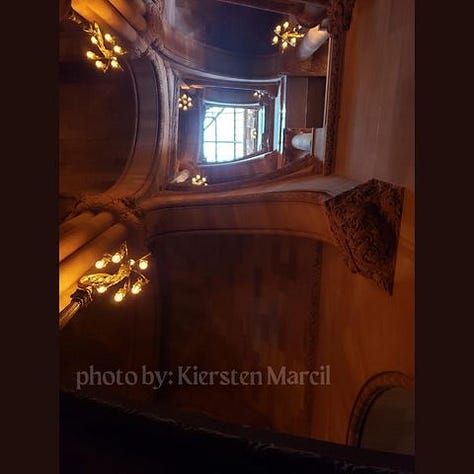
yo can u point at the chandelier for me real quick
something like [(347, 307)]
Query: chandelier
[(107, 46), (199, 180), (284, 35), (127, 274), (185, 102), (107, 51)]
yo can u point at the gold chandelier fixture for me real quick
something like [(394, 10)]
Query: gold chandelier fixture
[(107, 46), (128, 273), (199, 180), (284, 35), (185, 102)]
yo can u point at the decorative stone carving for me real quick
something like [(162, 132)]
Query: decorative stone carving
[(339, 16), (124, 209), (365, 222)]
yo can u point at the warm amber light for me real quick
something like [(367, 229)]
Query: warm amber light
[(119, 296), (278, 29), (275, 40), (107, 46), (286, 25), (132, 281)]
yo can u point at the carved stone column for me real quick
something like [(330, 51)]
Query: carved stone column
[(81, 234), (116, 220)]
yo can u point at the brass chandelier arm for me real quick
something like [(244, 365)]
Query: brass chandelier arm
[(129, 271), (81, 298)]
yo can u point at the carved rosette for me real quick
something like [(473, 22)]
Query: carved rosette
[(365, 223)]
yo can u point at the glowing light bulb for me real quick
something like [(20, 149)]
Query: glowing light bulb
[(100, 264), (117, 257), (277, 29), (185, 108), (136, 288), (274, 41), (101, 289), (99, 65), (91, 55), (94, 40), (108, 37), (114, 63), (118, 49), (119, 296), (131, 262), (143, 264), (293, 41), (284, 45), (198, 176), (180, 105), (286, 25)]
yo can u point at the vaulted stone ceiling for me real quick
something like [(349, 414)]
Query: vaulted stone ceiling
[(231, 27)]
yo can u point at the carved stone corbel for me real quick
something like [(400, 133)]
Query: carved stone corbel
[(365, 223)]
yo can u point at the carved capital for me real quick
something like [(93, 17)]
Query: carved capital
[(365, 223), (124, 209)]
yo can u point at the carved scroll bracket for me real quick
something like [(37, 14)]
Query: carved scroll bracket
[(365, 222)]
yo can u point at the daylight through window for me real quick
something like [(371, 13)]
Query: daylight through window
[(230, 133)]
